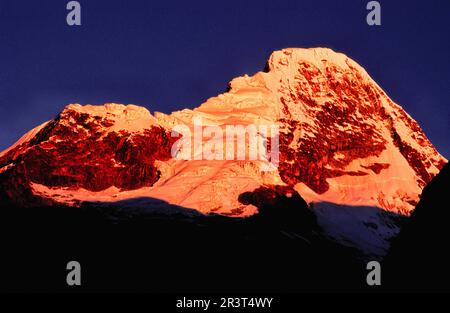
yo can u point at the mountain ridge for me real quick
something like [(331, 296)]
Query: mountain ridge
[(342, 141)]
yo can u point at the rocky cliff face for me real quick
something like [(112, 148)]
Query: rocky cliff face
[(346, 140), (89, 149), (344, 145)]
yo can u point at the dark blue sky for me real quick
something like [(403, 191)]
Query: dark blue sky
[(168, 55)]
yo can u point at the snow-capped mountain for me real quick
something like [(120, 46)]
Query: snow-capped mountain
[(353, 154)]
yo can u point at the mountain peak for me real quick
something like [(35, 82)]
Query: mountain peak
[(108, 108), (318, 57), (117, 117)]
